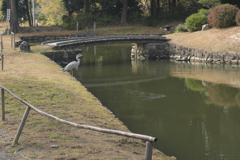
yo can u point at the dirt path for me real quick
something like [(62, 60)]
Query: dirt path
[(5, 153)]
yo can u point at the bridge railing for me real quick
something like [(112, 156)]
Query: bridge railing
[(149, 140), (87, 32), (105, 36)]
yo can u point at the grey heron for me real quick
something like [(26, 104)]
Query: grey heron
[(73, 65)]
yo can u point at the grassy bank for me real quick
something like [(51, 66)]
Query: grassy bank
[(213, 40), (38, 80)]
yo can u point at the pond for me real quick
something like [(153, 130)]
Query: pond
[(192, 108)]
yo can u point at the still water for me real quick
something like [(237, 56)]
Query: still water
[(193, 109)]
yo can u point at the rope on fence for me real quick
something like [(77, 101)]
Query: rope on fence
[(149, 139)]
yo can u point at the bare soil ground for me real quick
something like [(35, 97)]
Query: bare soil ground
[(38, 80)]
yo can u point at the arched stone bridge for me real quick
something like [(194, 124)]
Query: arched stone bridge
[(105, 39)]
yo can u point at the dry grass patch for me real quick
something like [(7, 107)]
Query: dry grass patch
[(215, 40)]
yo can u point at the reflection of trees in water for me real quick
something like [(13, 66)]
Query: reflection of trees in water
[(194, 85), (107, 54), (237, 99), (222, 95)]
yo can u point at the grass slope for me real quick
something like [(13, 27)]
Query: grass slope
[(215, 40), (38, 80)]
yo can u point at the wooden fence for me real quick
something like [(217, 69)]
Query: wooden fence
[(87, 32), (1, 58), (149, 140), (1, 44)]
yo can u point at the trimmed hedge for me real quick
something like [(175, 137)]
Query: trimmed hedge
[(195, 22), (180, 28), (222, 16)]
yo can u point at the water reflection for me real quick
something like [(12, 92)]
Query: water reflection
[(222, 95), (214, 73), (192, 108), (218, 93), (134, 94)]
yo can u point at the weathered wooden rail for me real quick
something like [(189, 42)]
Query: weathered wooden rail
[(1, 58), (1, 44), (149, 140)]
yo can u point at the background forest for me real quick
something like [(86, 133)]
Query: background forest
[(115, 12)]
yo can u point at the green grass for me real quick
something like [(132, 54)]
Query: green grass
[(12, 150), (61, 137)]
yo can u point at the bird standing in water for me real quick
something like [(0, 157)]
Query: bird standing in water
[(73, 65)]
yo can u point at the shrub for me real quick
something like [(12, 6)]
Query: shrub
[(195, 22), (195, 85), (180, 28), (204, 11), (41, 17), (69, 22), (222, 16), (238, 18)]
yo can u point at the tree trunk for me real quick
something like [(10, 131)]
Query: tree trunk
[(174, 3), (7, 6), (124, 14), (14, 17), (28, 14), (86, 6), (68, 5), (169, 6), (158, 4), (153, 8)]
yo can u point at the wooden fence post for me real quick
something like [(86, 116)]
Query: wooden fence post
[(77, 29), (14, 41), (2, 42), (21, 126), (148, 154), (2, 61), (94, 26), (3, 105), (11, 39)]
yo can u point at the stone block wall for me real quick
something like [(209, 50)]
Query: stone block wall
[(180, 53), (62, 56)]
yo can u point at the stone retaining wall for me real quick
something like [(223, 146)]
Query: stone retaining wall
[(67, 53), (180, 53), (62, 57)]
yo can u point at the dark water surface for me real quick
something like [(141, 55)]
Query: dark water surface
[(193, 109)]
